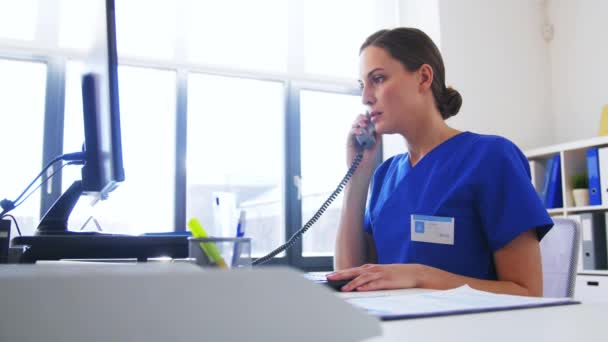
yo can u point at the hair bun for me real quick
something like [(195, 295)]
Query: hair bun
[(451, 102)]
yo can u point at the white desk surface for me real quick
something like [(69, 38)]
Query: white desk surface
[(582, 322)]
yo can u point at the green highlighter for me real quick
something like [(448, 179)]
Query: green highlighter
[(208, 247)]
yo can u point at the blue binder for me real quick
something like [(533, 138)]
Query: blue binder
[(593, 173), (543, 192), (554, 190)]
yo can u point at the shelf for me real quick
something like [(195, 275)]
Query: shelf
[(575, 210), (588, 208), (569, 146), (573, 161), (593, 272), (556, 211)]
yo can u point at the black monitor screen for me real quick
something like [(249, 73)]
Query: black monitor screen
[(103, 167)]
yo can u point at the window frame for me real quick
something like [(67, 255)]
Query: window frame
[(52, 139), (307, 263)]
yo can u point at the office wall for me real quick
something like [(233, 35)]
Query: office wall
[(423, 14), (579, 66), (496, 56)]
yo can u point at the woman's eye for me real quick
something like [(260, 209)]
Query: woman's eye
[(378, 79)]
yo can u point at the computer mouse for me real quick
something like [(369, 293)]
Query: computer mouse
[(337, 284)]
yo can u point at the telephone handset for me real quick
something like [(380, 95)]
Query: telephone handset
[(365, 141)]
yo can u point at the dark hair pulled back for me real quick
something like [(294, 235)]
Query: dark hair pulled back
[(413, 48)]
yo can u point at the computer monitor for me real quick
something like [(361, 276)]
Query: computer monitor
[(103, 167), (102, 170)]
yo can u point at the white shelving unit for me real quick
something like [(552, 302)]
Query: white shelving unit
[(591, 285)]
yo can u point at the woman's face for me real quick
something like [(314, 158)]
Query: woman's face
[(391, 92)]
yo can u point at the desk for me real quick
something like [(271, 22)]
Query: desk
[(159, 302), (154, 303), (584, 322)]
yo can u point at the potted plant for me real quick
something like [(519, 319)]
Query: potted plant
[(580, 189)]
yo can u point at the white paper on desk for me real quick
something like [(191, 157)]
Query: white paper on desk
[(456, 301)]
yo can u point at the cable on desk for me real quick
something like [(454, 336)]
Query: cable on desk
[(42, 183), (14, 220), (72, 158), (13, 205)]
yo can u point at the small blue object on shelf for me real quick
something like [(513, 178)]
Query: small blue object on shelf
[(554, 188), (547, 180), (593, 172)]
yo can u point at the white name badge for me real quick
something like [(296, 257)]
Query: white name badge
[(432, 229)]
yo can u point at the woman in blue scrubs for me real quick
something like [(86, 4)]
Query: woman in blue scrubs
[(457, 208)]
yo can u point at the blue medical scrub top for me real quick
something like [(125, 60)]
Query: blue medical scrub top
[(482, 181)]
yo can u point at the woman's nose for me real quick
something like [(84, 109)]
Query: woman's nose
[(367, 97)]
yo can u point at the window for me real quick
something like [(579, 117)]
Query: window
[(229, 76), (18, 19), (325, 120), (252, 37), (323, 34), (151, 35), (145, 201), (235, 154), (22, 86), (75, 23), (146, 28)]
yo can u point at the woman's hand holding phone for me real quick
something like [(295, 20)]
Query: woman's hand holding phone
[(362, 131)]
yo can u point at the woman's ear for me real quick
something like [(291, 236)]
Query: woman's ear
[(426, 76)]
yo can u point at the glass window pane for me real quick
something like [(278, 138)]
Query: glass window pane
[(239, 33), (76, 18), (18, 19), (235, 152), (325, 121), (145, 201), (146, 28), (332, 49), (22, 86)]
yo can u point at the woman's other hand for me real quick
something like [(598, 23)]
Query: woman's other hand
[(370, 277)]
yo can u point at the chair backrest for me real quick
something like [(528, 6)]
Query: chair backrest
[(560, 251)]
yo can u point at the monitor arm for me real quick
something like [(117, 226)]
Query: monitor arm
[(55, 221)]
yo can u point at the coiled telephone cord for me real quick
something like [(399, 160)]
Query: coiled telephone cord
[(355, 163)]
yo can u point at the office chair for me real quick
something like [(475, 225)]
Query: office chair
[(559, 251)]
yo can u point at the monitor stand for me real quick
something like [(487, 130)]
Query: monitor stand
[(100, 246), (55, 221), (53, 240)]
